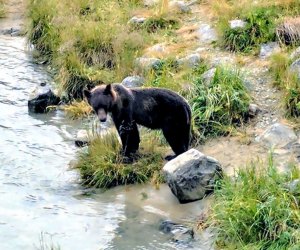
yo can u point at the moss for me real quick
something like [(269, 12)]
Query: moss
[(102, 166)]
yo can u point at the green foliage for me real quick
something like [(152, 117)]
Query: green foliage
[(101, 166), (154, 24), (256, 210), (222, 103), (288, 82), (259, 28)]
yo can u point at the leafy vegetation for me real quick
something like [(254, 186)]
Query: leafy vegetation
[(257, 209), (219, 104), (102, 166)]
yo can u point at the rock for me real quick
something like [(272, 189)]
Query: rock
[(295, 68), (41, 98), (253, 110), (159, 49), (206, 34), (267, 49), (137, 20), (179, 232), (146, 63), (133, 81), (295, 54), (208, 76), (277, 135), (190, 61), (237, 23), (179, 6), (12, 32), (192, 175)]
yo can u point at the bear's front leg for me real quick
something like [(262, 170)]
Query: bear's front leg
[(130, 138)]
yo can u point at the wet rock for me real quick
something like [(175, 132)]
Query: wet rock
[(137, 20), (267, 49), (253, 110), (208, 76), (295, 68), (237, 23), (147, 63), (190, 61), (133, 81), (179, 6), (277, 135), (11, 32), (180, 233), (41, 98), (192, 175), (206, 34)]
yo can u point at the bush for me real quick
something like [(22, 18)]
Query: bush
[(101, 166), (221, 104), (260, 28), (256, 210)]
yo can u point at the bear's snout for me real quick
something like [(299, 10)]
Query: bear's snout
[(102, 115)]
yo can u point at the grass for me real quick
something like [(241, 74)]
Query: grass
[(2, 8), (78, 109), (288, 82), (257, 210), (91, 42), (101, 166), (262, 17), (221, 104)]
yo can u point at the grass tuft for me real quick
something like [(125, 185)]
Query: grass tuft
[(257, 210), (219, 105), (101, 166), (78, 109), (2, 8)]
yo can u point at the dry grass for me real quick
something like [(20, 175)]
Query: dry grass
[(288, 32), (78, 109)]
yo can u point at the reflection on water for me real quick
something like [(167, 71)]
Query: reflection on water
[(38, 194)]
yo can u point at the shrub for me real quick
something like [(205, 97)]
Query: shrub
[(101, 166), (256, 210), (259, 28), (220, 104)]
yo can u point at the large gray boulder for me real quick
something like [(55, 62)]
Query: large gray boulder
[(192, 175), (190, 61), (146, 63), (268, 49), (41, 98), (206, 34), (133, 81)]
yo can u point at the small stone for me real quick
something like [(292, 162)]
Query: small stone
[(146, 63), (295, 54), (295, 68), (191, 61), (208, 76), (253, 110), (206, 34), (133, 81), (267, 49), (137, 20), (237, 23)]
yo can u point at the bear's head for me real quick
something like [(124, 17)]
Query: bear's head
[(102, 99)]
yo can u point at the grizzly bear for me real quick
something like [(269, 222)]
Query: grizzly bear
[(154, 108)]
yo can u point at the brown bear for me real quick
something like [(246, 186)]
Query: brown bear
[(154, 108)]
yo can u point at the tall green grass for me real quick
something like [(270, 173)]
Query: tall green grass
[(102, 166), (221, 104), (257, 210), (288, 82)]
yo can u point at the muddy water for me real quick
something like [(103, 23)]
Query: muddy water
[(41, 203)]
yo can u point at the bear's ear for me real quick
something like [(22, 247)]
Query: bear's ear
[(87, 94), (108, 89)]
